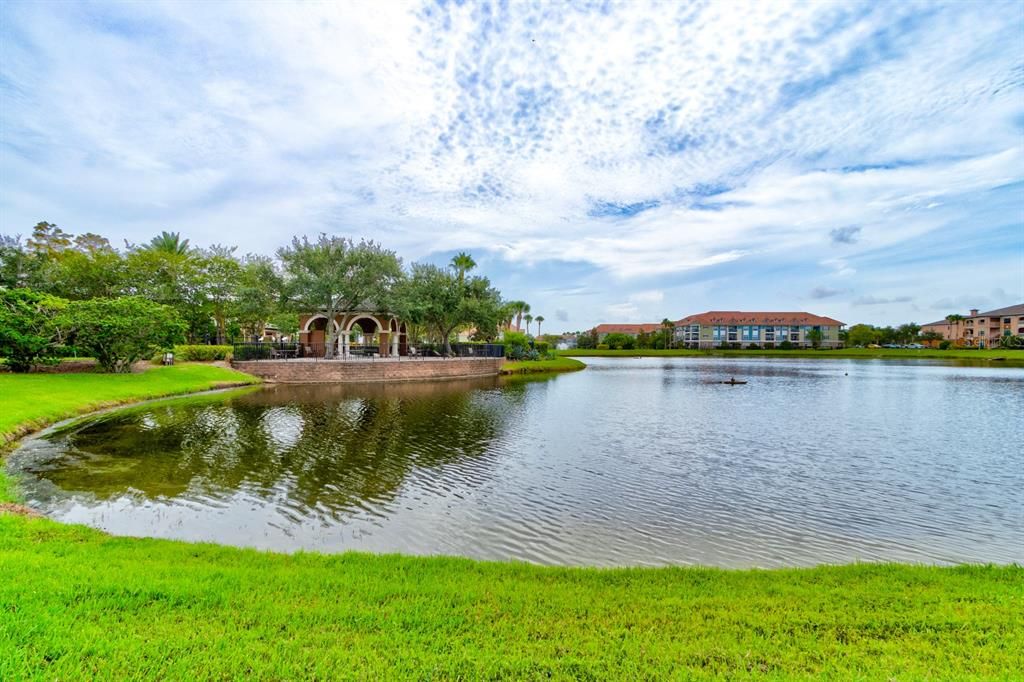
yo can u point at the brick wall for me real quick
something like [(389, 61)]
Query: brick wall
[(305, 372)]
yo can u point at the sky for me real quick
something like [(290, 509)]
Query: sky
[(603, 161)]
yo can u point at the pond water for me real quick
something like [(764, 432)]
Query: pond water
[(630, 462)]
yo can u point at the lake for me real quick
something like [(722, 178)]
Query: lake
[(630, 462)]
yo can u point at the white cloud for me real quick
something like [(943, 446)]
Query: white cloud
[(723, 139)]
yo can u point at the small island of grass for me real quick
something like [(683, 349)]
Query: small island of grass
[(560, 364)]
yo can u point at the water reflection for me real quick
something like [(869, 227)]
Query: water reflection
[(630, 462)]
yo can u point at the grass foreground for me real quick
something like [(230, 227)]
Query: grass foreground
[(1014, 357), (562, 364), (76, 603)]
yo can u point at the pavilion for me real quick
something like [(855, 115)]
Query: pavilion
[(379, 334)]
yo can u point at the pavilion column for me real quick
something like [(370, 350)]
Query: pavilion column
[(344, 345), (394, 344)]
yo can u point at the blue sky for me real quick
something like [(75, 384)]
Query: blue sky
[(605, 161)]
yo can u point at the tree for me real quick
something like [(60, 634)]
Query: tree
[(586, 340), (815, 336), (435, 298), (539, 319), (907, 333), (862, 335), (17, 265), (529, 319), (256, 296), (28, 332), (169, 242), (220, 273), (518, 309), (620, 341), (954, 319), (334, 274), (931, 337), (48, 239), (669, 327), (463, 263), (120, 331)]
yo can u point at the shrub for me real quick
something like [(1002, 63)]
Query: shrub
[(753, 346), (120, 331), (28, 333), (785, 345), (541, 347), (945, 344), (516, 345), (602, 346), (198, 353)]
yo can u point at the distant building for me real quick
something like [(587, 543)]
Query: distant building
[(634, 330), (981, 330), (566, 342), (717, 327)]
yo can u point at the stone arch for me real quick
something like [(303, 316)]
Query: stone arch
[(356, 317), (319, 316)]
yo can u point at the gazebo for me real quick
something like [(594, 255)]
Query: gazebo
[(376, 334)]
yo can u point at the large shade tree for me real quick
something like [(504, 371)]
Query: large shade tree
[(436, 298), (334, 274), (28, 332)]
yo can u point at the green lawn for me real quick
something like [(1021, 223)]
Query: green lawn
[(531, 366), (75, 604), (29, 401), (78, 604), (1008, 356)]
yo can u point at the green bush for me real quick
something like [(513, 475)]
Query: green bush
[(602, 346), (516, 345), (29, 334), (785, 345), (542, 347), (945, 344), (119, 331), (198, 353)]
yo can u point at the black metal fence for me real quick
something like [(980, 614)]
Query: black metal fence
[(290, 351)]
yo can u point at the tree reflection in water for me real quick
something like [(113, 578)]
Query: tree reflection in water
[(315, 449)]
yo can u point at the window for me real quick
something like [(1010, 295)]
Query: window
[(732, 333), (1006, 320)]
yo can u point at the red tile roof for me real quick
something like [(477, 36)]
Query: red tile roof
[(737, 317), (626, 328)]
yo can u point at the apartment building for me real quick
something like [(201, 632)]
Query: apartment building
[(981, 329), (767, 329)]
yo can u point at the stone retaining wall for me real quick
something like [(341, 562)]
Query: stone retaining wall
[(351, 371)]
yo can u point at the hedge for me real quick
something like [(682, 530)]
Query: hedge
[(198, 353)]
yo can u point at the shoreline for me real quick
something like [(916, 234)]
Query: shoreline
[(1002, 358)]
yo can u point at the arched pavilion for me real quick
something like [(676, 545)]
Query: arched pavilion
[(382, 334)]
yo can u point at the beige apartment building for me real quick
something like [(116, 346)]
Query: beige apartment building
[(981, 329), (767, 329)]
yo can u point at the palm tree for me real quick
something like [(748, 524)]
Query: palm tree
[(518, 308), (169, 242), (539, 319), (668, 325), (463, 263), (529, 319), (954, 319)]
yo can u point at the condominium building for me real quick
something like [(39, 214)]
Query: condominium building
[(981, 329), (727, 327)]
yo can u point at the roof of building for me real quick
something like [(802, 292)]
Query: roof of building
[(998, 312), (1008, 310), (627, 328), (739, 317)]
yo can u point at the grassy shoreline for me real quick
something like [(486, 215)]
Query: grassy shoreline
[(563, 364), (76, 603), (1008, 357)]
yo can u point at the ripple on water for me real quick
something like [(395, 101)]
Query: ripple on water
[(632, 462)]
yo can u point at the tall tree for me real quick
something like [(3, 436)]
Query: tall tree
[(954, 319), (463, 263), (334, 274), (518, 309), (529, 318), (669, 327), (257, 295), (435, 298), (48, 239), (168, 242), (220, 273), (28, 333), (539, 319)]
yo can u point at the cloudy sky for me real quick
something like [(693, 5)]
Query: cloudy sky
[(605, 161)]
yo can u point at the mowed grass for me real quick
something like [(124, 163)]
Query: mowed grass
[(1014, 357), (531, 366), (77, 604), (30, 401)]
